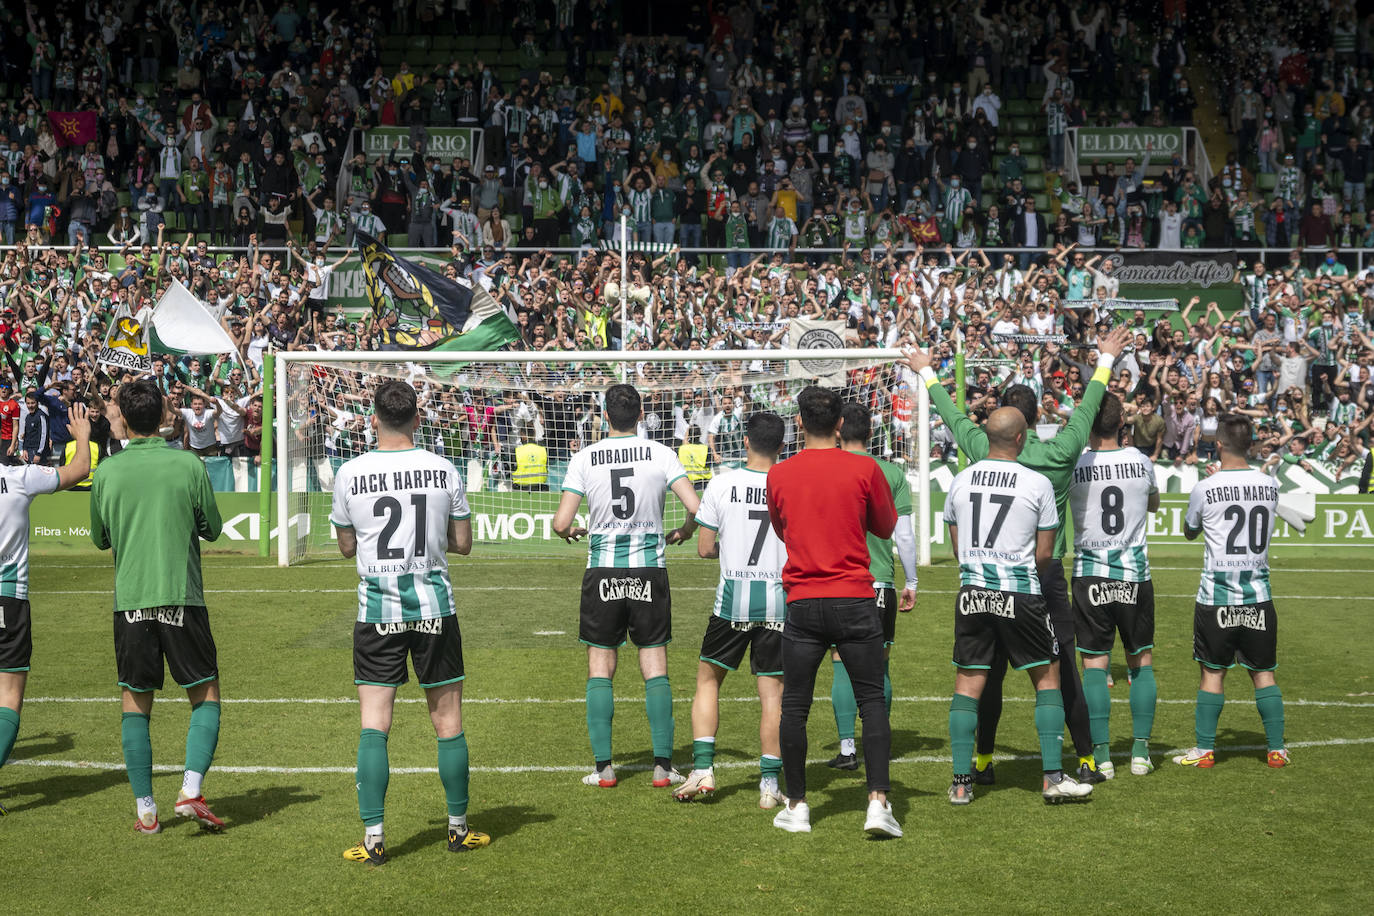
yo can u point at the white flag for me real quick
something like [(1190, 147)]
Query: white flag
[(184, 326), (808, 334)]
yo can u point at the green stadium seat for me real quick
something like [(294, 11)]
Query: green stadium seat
[(1267, 180), (1034, 161), (1020, 126), (1019, 108), (1042, 202), (987, 200), (397, 239), (464, 42), (989, 181)]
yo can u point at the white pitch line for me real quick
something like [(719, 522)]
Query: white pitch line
[(562, 701), (576, 768)]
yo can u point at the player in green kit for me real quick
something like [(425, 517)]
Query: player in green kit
[(151, 505), (854, 437)]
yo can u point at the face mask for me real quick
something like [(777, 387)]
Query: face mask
[(543, 184), (1326, 324), (958, 89), (826, 170), (1226, 183), (973, 146), (954, 183), (319, 262), (667, 157), (701, 86), (391, 172), (1016, 150), (849, 128), (1331, 260), (720, 58), (667, 110)]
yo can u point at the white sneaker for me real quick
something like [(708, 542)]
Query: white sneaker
[(1107, 769), (794, 818), (879, 821), (1141, 766), (770, 798), (603, 778), (1067, 789), (699, 782)]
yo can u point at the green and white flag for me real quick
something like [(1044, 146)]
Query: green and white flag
[(185, 326)]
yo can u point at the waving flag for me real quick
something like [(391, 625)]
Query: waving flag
[(72, 128), (126, 343), (433, 312), (183, 326)]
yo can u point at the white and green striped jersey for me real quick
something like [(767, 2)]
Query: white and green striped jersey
[(399, 504), (1110, 498), (18, 486), (999, 508), (1235, 511), (624, 479), (640, 205), (728, 429), (735, 506)]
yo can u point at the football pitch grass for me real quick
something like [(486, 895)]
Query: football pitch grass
[(1238, 837)]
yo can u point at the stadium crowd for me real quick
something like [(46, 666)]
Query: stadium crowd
[(771, 134)]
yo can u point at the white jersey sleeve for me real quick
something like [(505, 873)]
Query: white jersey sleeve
[(18, 487), (1110, 498), (735, 506), (999, 508), (399, 505)]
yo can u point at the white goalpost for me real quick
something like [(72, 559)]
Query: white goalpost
[(509, 421)]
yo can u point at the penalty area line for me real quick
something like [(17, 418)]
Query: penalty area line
[(582, 768)]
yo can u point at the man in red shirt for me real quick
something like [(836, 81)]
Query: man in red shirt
[(9, 418), (823, 502)]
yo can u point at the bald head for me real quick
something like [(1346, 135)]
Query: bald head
[(1006, 429)]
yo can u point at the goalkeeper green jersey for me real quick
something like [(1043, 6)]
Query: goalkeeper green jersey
[(151, 504), (880, 564)]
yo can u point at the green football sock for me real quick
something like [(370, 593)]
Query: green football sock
[(9, 730), (1049, 725), (845, 707), (202, 736), (453, 773), (1208, 712), (770, 767), (1099, 700), (887, 686), (138, 752), (963, 723), (658, 704), (1270, 703), (600, 711), (1144, 692), (703, 753), (374, 772)]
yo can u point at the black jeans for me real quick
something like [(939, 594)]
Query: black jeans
[(854, 627), (1056, 592)]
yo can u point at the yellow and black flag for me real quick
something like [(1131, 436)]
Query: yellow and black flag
[(433, 312)]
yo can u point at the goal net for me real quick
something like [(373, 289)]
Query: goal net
[(510, 422)]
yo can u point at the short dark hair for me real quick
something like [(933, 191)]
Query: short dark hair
[(1023, 399), (141, 404), (819, 409), (858, 423), (1235, 433), (1109, 417), (394, 405), (623, 407), (764, 430)]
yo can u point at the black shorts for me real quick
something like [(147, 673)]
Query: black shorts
[(181, 635), (16, 639), (725, 642), (986, 621), (434, 646), (886, 599), (1229, 633), (1102, 607), (1054, 588), (617, 602)]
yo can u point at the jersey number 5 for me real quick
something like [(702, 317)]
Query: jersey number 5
[(624, 498), (390, 506)]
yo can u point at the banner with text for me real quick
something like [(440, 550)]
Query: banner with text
[(443, 143), (1120, 143)]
